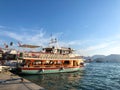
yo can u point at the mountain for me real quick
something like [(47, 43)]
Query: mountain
[(94, 58), (113, 58), (109, 58), (97, 56)]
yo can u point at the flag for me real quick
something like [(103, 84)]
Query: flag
[(19, 43), (11, 43), (6, 46)]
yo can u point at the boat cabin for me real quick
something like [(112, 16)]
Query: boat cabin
[(51, 59), (62, 50), (51, 63)]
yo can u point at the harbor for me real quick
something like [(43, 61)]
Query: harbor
[(59, 44), (49, 60)]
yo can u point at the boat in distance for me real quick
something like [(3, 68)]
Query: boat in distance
[(51, 59)]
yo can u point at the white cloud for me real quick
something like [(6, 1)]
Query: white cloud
[(39, 37), (70, 43), (2, 26), (99, 46), (111, 47), (29, 36)]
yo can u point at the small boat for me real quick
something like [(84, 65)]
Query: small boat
[(51, 59)]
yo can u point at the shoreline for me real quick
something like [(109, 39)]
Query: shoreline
[(10, 81)]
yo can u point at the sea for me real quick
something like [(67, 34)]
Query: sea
[(94, 76)]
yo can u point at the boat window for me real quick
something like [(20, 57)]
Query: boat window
[(28, 63), (21, 54), (47, 62), (75, 63), (37, 63), (57, 62), (60, 51), (49, 50), (51, 62), (24, 61), (66, 62)]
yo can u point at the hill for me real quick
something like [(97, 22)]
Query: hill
[(109, 58)]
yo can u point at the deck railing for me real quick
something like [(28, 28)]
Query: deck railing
[(48, 56)]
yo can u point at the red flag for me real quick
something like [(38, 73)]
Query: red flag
[(6, 46), (19, 43)]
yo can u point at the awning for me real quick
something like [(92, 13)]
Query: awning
[(28, 46)]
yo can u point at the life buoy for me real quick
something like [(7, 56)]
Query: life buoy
[(81, 64), (42, 70), (61, 68)]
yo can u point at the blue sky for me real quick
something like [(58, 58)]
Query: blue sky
[(90, 26)]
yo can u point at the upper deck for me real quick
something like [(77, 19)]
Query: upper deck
[(52, 52), (49, 56)]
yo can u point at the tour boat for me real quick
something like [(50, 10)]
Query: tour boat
[(51, 59)]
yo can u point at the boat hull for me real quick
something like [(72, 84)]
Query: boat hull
[(49, 70)]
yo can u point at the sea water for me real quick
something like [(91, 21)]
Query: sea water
[(94, 76)]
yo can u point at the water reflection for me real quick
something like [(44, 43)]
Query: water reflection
[(95, 76), (57, 81)]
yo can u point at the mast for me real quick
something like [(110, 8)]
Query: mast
[(53, 42)]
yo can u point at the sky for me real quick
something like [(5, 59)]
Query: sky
[(89, 26)]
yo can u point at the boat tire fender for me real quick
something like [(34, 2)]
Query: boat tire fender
[(42, 70), (61, 68)]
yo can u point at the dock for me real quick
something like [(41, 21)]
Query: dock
[(10, 81)]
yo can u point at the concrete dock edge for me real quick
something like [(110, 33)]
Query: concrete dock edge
[(10, 81)]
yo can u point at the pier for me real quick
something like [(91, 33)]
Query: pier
[(10, 81)]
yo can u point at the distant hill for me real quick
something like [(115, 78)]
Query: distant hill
[(109, 58), (97, 56), (94, 58), (113, 58)]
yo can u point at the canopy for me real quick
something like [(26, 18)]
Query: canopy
[(28, 46)]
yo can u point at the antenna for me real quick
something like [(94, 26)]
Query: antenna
[(53, 41)]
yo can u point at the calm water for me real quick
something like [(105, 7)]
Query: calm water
[(95, 76)]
